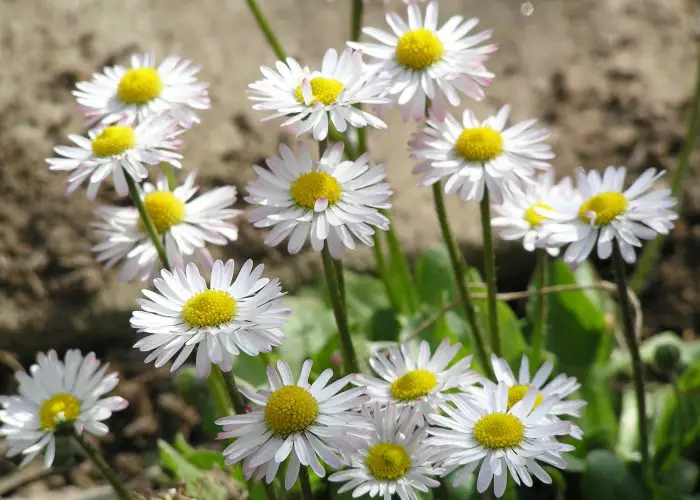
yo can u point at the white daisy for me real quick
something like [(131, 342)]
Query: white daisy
[(303, 421), (427, 63), (418, 382), (394, 461), (186, 224), (475, 155), (602, 212), (330, 201), (311, 98), (518, 216), (485, 431), (118, 150), (57, 393), (221, 320), (557, 390), (128, 95)]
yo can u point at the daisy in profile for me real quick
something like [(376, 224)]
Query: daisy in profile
[(394, 460), (518, 215), (474, 156), (119, 151), (485, 433), (57, 396), (425, 62), (301, 421), (311, 100), (416, 382), (129, 95), (603, 212), (220, 320), (557, 390), (330, 202), (185, 223)]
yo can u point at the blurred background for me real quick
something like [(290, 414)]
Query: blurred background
[(612, 79)]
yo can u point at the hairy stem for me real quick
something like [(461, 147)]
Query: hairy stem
[(266, 29), (147, 222), (539, 331), (490, 274), (110, 474)]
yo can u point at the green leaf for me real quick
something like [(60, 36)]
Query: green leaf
[(365, 296), (384, 325), (400, 273), (434, 277), (196, 481), (681, 476), (607, 478), (576, 324), (202, 459)]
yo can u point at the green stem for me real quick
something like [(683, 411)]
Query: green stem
[(269, 491), (411, 301), (442, 492), (490, 274), (305, 484), (459, 270), (539, 331), (341, 319), (167, 169), (358, 9), (647, 261), (633, 346), (147, 222), (217, 386), (110, 474), (234, 394), (340, 278), (265, 27)]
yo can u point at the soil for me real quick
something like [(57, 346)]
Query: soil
[(612, 79)]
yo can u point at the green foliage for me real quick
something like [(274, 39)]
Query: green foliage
[(197, 482)]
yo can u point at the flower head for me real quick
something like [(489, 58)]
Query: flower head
[(425, 62), (395, 458), (130, 95), (302, 421), (518, 215), (312, 99), (57, 393), (221, 320), (329, 201), (417, 382), (119, 150), (502, 439), (474, 156), (602, 212), (184, 222)]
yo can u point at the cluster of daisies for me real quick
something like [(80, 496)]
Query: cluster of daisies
[(423, 416)]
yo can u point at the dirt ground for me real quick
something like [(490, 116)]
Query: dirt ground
[(611, 78)]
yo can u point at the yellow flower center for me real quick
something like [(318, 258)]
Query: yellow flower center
[(602, 209), (499, 430), (209, 308), (419, 49), (290, 409), (517, 393), (413, 385), (312, 186), (165, 209), (139, 86), (388, 461), (479, 144), (58, 409), (324, 90), (532, 217), (113, 140)]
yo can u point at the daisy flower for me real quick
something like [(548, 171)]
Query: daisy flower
[(475, 156), (394, 460), (417, 382), (329, 201), (220, 320), (301, 421), (503, 440), (119, 150), (558, 389), (518, 216), (56, 396), (426, 63), (604, 212), (310, 99), (185, 223), (129, 95)]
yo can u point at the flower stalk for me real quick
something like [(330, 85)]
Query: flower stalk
[(147, 222), (266, 29), (305, 484), (110, 474), (539, 330), (490, 274)]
